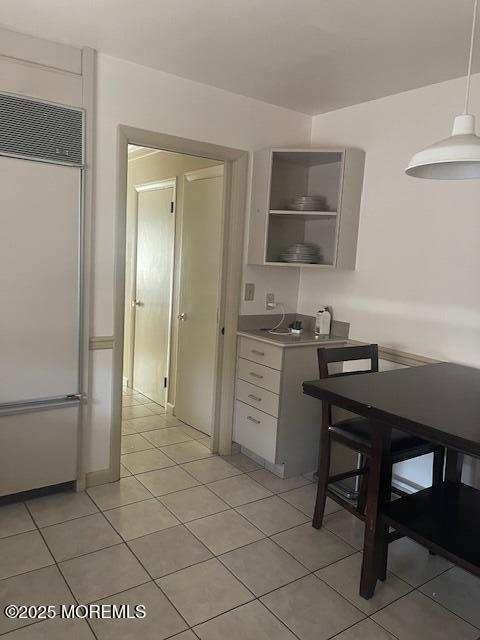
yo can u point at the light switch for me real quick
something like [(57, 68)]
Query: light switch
[(249, 291)]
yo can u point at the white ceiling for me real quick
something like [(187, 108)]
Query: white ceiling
[(308, 55)]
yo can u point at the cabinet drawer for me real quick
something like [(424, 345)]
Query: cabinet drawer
[(259, 375), (257, 397), (267, 354), (255, 430)]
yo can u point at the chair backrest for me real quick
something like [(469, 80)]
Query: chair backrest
[(330, 355)]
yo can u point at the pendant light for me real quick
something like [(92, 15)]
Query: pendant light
[(456, 157)]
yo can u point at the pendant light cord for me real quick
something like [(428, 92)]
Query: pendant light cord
[(470, 58)]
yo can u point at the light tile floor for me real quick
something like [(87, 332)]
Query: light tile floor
[(216, 548)]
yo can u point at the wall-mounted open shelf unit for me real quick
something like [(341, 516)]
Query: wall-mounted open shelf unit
[(304, 214), (280, 177)]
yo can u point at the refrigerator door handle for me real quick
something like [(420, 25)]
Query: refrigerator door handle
[(40, 404)]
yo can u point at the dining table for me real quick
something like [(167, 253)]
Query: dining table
[(441, 403)]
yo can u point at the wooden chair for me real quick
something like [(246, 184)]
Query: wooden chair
[(354, 433)]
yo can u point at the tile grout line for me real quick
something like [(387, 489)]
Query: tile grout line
[(269, 537), (154, 580), (359, 622), (254, 597), (180, 523), (310, 572), (120, 505), (355, 550), (56, 564), (367, 615), (218, 557), (258, 598), (474, 626)]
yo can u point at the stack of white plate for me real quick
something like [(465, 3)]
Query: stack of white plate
[(305, 252), (308, 203)]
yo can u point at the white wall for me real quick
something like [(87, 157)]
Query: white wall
[(140, 97), (416, 286), (137, 96)]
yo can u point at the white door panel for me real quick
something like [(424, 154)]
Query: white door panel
[(154, 270), (202, 232)]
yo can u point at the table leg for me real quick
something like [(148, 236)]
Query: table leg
[(453, 466), (379, 488)]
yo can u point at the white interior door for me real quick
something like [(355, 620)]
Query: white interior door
[(198, 331), (153, 290)]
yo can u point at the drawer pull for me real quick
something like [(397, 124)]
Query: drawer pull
[(250, 395), (256, 375), (253, 420), (258, 353)]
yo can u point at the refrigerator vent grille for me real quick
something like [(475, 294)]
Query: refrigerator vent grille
[(40, 131)]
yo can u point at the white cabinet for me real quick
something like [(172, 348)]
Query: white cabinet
[(258, 374), (273, 419), (264, 400), (332, 181), (255, 430)]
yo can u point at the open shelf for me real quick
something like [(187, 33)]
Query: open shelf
[(446, 519), (307, 173), (293, 212), (282, 178), (315, 265), (286, 230)]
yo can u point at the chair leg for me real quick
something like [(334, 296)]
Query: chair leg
[(383, 552), (437, 469), (362, 496), (383, 555), (323, 475), (437, 474)]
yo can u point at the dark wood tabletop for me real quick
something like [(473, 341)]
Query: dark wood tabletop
[(440, 402)]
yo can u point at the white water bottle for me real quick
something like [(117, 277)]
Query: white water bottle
[(322, 322)]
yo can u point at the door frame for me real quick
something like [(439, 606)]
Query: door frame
[(236, 174), (166, 183)]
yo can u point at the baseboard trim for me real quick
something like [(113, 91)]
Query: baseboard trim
[(170, 408), (103, 476), (253, 456)]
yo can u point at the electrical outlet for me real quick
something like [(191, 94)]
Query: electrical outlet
[(270, 301), (249, 291)]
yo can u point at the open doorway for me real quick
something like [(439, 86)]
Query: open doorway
[(173, 267), (235, 167)]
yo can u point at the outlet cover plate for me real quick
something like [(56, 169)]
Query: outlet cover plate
[(270, 301)]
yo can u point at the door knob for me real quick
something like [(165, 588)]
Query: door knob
[(182, 316), (137, 303)]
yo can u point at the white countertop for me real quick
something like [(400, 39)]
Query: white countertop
[(306, 339)]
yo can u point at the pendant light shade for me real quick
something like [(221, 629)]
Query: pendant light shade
[(456, 157)]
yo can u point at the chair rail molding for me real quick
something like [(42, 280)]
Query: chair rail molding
[(399, 357), (101, 342)]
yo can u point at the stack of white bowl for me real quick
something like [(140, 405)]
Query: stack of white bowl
[(308, 203), (305, 252)]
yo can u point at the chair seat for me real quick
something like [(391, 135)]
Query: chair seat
[(359, 430)]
